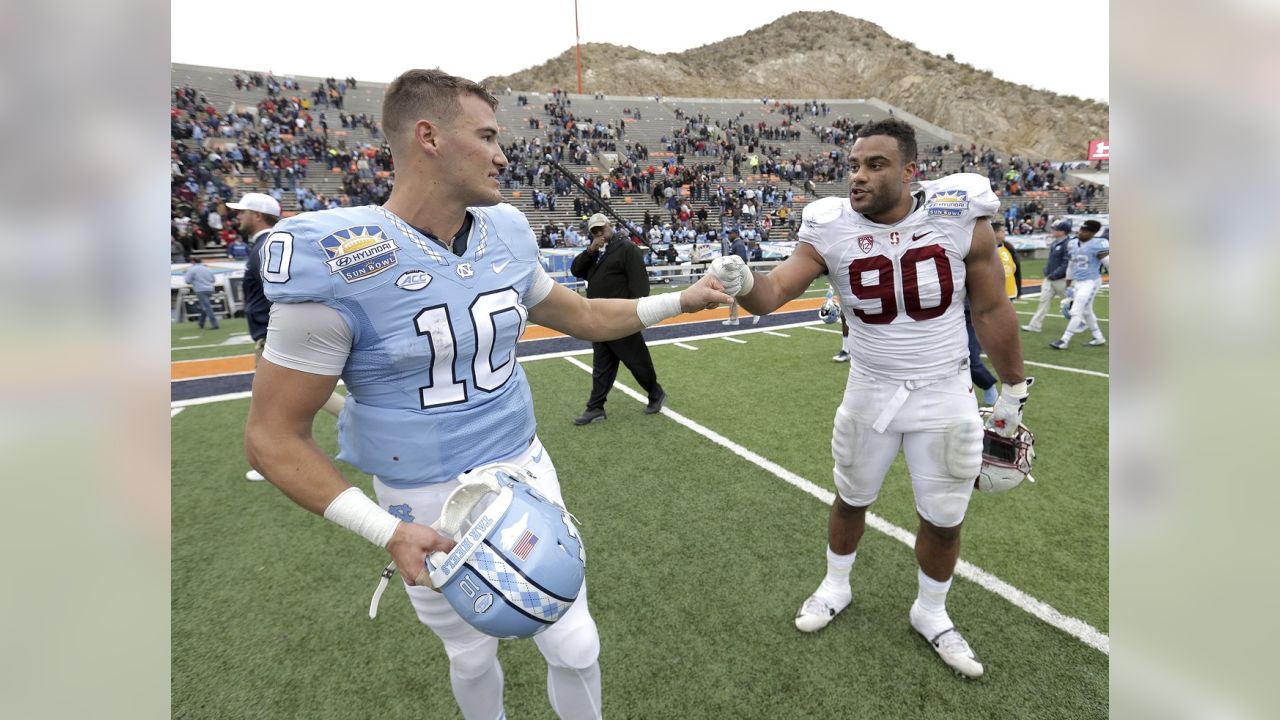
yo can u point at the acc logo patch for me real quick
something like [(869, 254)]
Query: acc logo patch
[(413, 280), (949, 203), (866, 242), (359, 252)]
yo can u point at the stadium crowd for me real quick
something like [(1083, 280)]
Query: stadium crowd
[(709, 176)]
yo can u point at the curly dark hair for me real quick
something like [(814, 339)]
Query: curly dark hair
[(901, 131)]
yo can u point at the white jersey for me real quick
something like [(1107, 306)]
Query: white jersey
[(903, 285)]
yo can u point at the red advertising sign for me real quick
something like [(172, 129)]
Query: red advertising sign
[(1099, 150)]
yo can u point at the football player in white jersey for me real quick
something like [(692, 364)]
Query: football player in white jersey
[(418, 305), (903, 257)]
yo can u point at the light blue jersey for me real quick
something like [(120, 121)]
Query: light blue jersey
[(434, 385), (1085, 261)]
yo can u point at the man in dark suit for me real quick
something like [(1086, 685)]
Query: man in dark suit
[(613, 268)]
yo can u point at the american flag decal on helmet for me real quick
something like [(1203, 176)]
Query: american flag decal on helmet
[(525, 546)]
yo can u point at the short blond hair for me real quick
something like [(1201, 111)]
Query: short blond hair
[(427, 93)]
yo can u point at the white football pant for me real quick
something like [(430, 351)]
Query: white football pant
[(1049, 289), (938, 428), (571, 647), (1082, 310)]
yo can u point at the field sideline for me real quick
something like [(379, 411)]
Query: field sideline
[(699, 553)]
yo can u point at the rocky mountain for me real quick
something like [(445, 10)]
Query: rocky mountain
[(830, 55)]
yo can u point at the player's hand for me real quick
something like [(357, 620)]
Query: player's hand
[(1006, 414), (733, 274), (705, 294), (410, 545)]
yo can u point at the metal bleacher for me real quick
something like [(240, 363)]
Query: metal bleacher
[(658, 120)]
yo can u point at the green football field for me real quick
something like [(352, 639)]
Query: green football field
[(698, 558)]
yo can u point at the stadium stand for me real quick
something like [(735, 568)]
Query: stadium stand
[(233, 131)]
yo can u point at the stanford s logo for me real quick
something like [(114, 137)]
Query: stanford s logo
[(895, 238), (866, 242)]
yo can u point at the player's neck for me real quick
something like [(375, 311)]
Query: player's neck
[(905, 205), (440, 217)]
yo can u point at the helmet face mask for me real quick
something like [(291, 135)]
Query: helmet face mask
[(1006, 461), (519, 563)]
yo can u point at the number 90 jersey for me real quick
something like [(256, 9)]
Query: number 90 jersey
[(434, 385), (903, 285)]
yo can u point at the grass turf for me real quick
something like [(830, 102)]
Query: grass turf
[(697, 562)]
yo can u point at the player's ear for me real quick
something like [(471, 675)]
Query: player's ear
[(426, 135), (909, 171)]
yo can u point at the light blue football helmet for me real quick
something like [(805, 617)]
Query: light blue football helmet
[(519, 562)]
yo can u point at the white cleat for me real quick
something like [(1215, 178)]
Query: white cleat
[(950, 646), (818, 611), (1097, 342), (840, 357), (254, 476)]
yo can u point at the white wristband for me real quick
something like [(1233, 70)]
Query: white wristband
[(656, 308), (1019, 390), (353, 510)]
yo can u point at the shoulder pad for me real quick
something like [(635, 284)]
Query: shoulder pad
[(823, 210), (317, 256), (963, 196), (509, 227)]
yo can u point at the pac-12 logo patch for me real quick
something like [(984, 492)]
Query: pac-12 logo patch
[(359, 252), (950, 203), (866, 242)]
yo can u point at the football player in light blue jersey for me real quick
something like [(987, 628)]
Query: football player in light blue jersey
[(1085, 277), (418, 305)]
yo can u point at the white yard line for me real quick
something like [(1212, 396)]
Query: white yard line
[(683, 345), (822, 329), (174, 412), (734, 340), (776, 334), (1063, 368), (1075, 627)]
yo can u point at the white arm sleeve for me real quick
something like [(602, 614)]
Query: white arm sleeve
[(309, 337), (540, 288)]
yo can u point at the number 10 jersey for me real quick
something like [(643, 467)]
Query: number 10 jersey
[(435, 388), (902, 286)]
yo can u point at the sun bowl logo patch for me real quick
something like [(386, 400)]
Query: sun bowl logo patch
[(949, 203), (359, 252), (866, 242)]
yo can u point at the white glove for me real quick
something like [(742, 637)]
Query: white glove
[(1006, 414), (733, 274), (829, 313)]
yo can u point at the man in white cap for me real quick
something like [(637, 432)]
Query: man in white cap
[(259, 213)]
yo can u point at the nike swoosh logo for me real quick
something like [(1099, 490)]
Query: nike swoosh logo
[(917, 237), (503, 266), (538, 457)]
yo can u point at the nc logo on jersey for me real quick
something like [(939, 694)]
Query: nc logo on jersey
[(402, 512), (949, 203), (866, 242), (413, 280), (465, 270), (359, 252)]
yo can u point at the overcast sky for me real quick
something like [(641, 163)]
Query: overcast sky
[(1061, 47)]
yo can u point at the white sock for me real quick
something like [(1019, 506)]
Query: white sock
[(932, 596), (844, 345), (836, 583)]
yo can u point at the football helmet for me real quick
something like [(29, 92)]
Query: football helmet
[(519, 562), (1006, 461), (829, 312)]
